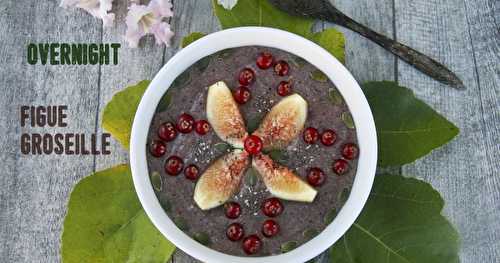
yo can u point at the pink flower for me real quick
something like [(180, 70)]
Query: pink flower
[(97, 8), (227, 4), (149, 19)]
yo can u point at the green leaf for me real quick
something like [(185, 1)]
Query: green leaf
[(156, 180), (333, 41), (191, 38), (253, 123), (262, 13), (181, 223), (105, 223), (222, 147), (330, 215), (335, 97), (407, 128), (165, 101), (279, 156), (288, 246), (347, 119), (319, 76), (401, 222), (202, 238), (310, 233), (120, 111), (251, 177)]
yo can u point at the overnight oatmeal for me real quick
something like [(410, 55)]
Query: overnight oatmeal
[(252, 151)]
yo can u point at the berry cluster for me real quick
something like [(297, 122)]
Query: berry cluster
[(167, 132), (315, 176), (247, 76), (251, 244)]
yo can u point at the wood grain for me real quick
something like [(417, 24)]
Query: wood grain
[(463, 35), (35, 189)]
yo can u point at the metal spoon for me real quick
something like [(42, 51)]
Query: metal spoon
[(323, 9)]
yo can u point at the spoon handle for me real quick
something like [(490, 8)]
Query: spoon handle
[(413, 57)]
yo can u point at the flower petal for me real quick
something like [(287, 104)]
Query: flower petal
[(162, 33), (97, 8), (161, 8), (227, 4)]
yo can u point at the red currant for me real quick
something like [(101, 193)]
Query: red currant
[(265, 60), (315, 176), (281, 68), (191, 172), (235, 232), (252, 244), (157, 148), (174, 165), (246, 77), (350, 151), (167, 131), (185, 123), (242, 95), (340, 166), (328, 137), (253, 144), (272, 207), (202, 127), (232, 210), (311, 135), (270, 228), (284, 88)]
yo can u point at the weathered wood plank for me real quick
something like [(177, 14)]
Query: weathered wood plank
[(34, 189), (135, 65), (466, 170)]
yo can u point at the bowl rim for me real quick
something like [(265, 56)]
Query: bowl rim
[(274, 38)]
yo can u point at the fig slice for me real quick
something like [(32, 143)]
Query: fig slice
[(283, 123), (224, 115), (281, 181), (221, 179)]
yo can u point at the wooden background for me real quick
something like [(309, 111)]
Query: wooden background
[(464, 34)]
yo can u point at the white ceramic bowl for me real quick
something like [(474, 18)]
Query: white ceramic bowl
[(314, 54)]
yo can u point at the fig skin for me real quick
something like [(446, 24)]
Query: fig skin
[(224, 115), (221, 180), (283, 123)]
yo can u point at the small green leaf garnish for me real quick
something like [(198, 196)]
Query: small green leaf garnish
[(288, 246), (164, 101), (165, 204), (347, 119), (330, 216), (335, 97), (222, 147), (344, 195), (182, 79), (253, 123), (226, 53), (191, 38), (156, 181), (319, 76), (298, 61), (279, 156), (251, 177), (203, 63), (202, 238), (310, 233), (181, 223)]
